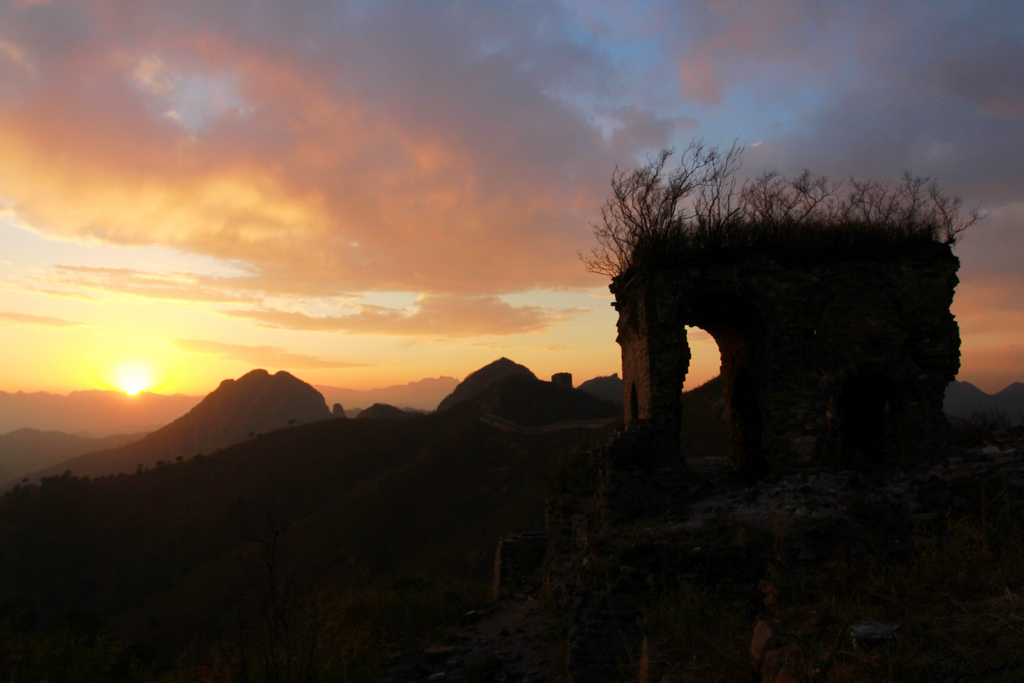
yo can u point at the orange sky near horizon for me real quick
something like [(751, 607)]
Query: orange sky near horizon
[(370, 193)]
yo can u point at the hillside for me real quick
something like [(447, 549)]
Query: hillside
[(237, 410), (27, 450), (966, 401), (609, 388), (526, 401), (478, 381), (383, 410), (349, 501)]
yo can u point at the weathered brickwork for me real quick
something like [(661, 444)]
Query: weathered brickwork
[(841, 362)]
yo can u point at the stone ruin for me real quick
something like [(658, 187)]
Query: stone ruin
[(842, 361), (833, 363), (562, 379)]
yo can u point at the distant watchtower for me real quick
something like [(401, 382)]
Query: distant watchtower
[(562, 379), (840, 361)]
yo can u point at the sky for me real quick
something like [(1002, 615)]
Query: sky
[(370, 193)]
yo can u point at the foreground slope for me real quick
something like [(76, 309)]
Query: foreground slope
[(344, 502)]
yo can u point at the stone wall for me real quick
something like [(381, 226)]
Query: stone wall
[(518, 559), (842, 361)]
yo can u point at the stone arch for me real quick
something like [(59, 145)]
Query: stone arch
[(737, 326), (820, 359)]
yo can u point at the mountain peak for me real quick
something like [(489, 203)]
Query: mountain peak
[(255, 403), (478, 381)]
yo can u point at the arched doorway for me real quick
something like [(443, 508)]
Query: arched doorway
[(737, 328)]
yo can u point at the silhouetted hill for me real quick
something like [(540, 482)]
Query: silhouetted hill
[(238, 409), (478, 381), (526, 401), (94, 413), (28, 450), (964, 400), (382, 410), (346, 502), (609, 388), (424, 394)]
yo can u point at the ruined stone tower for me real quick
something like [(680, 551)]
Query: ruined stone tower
[(839, 361)]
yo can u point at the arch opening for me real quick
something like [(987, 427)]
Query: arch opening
[(737, 329), (704, 432)]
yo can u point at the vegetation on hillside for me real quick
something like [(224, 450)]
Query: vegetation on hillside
[(307, 553), (655, 216)]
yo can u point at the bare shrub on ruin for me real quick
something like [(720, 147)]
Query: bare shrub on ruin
[(655, 216)]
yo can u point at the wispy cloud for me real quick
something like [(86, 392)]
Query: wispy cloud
[(29, 319), (65, 279), (431, 316), (262, 356), (411, 147)]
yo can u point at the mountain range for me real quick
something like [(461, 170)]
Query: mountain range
[(424, 394), (966, 401), (237, 410), (91, 413), (176, 554), (346, 502), (220, 422)]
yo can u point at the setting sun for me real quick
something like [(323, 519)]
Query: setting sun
[(133, 377)]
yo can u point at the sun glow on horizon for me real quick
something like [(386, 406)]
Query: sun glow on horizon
[(133, 377)]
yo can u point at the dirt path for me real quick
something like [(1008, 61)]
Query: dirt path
[(514, 642)]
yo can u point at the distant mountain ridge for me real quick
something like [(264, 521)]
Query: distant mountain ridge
[(255, 403), (424, 394), (95, 412), (964, 400)]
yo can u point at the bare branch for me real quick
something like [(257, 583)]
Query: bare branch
[(653, 214)]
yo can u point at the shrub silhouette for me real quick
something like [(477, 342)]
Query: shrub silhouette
[(655, 216)]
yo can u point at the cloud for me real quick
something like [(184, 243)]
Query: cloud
[(431, 316), (262, 356), (779, 44), (169, 286), (446, 148), (28, 319)]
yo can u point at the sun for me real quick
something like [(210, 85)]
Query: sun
[(133, 377)]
